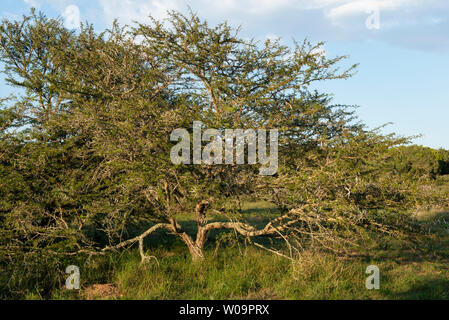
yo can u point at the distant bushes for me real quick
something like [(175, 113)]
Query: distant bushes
[(420, 162), (443, 162)]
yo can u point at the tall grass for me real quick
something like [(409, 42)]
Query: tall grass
[(256, 274), (241, 271)]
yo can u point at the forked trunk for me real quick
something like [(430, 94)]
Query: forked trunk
[(196, 247), (196, 253)]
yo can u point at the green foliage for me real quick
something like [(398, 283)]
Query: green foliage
[(420, 162), (85, 148)]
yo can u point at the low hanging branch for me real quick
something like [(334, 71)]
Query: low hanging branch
[(305, 221), (196, 246)]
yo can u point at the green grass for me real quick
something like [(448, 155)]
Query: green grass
[(239, 271), (255, 274)]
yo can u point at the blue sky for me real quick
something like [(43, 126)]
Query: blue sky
[(402, 47)]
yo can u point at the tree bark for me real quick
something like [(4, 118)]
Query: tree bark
[(196, 246)]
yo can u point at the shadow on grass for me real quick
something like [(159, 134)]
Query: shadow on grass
[(432, 247), (256, 214), (423, 289)]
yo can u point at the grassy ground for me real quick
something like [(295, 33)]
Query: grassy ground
[(233, 270)]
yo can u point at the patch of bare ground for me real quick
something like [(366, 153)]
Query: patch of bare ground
[(262, 294), (102, 292)]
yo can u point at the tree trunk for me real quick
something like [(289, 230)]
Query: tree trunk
[(196, 247), (201, 235), (196, 252)]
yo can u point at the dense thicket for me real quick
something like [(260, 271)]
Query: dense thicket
[(85, 146), (421, 162)]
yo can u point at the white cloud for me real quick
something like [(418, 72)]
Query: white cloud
[(264, 6), (128, 11), (364, 6), (271, 37), (320, 52), (414, 23), (33, 3), (72, 17)]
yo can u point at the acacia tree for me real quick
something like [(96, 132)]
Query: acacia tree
[(92, 147)]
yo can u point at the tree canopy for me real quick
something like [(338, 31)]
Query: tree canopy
[(85, 146)]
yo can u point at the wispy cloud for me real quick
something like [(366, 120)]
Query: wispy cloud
[(410, 23), (364, 6), (128, 11), (33, 3)]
